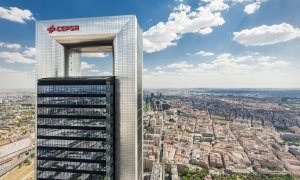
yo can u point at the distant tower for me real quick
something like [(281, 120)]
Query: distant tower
[(71, 128)]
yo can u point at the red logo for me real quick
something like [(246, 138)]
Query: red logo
[(63, 28), (51, 29)]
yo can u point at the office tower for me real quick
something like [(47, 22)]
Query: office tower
[(59, 44), (75, 128)]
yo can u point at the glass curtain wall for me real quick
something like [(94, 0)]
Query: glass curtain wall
[(75, 127)]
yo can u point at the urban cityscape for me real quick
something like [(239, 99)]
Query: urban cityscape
[(224, 133), (217, 133), (152, 90)]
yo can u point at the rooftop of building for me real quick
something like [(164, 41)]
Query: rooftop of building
[(93, 79)]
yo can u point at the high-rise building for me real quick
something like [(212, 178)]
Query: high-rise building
[(74, 140), (75, 128)]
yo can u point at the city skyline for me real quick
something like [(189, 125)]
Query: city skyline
[(187, 44)]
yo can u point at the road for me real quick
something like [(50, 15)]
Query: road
[(25, 172), (14, 163)]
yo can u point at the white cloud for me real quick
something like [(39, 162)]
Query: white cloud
[(240, 1), (12, 79), (266, 35), (225, 71), (179, 65), (13, 57), (266, 58), (158, 68), (94, 70), (10, 46), (30, 52), (183, 20), (94, 55), (203, 53), (25, 57), (104, 73), (15, 14), (85, 65), (216, 5), (100, 73), (252, 8), (268, 64)]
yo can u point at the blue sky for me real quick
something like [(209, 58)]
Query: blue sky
[(187, 43)]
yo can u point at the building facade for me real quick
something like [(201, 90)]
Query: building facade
[(59, 44), (75, 128)]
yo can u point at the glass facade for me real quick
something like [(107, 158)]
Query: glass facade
[(75, 129), (58, 55)]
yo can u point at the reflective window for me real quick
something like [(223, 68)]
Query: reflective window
[(72, 111), (73, 122), (73, 100), (73, 89), (71, 133)]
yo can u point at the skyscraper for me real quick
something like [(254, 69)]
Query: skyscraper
[(75, 128), (59, 44)]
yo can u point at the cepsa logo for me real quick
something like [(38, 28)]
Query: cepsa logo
[(63, 28)]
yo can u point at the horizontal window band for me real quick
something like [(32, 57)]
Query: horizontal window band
[(71, 119), (70, 149), (72, 82), (70, 138), (103, 162), (71, 170), (71, 116), (71, 127), (73, 95), (71, 106), (63, 179)]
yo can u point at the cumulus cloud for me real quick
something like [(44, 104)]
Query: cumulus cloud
[(10, 45), (269, 64), (266, 35), (94, 70), (13, 79), (17, 56), (228, 63), (179, 65), (100, 73), (200, 53), (158, 68), (184, 20), (240, 1), (226, 70), (16, 15), (30, 52), (203, 53), (252, 8), (104, 73), (13, 57), (94, 55), (85, 65)]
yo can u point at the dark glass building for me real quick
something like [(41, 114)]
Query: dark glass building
[(75, 128)]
